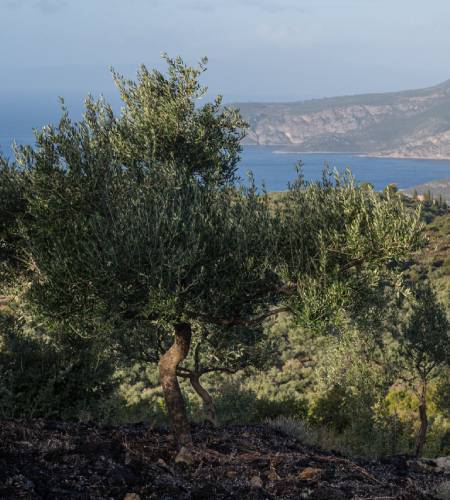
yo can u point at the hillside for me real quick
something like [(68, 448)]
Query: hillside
[(41, 459), (435, 259), (413, 123), (437, 189)]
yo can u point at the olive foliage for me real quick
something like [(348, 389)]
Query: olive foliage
[(139, 219), (424, 349)]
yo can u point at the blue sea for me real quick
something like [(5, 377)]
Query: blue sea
[(276, 169)]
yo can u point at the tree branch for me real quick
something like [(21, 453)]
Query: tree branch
[(242, 322), (218, 369), (351, 264)]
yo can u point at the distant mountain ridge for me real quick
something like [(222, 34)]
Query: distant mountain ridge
[(411, 123)]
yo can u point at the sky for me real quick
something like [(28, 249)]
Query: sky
[(258, 50)]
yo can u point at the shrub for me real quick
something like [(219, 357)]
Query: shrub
[(39, 378)]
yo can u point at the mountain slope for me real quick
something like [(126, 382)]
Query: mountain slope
[(410, 123), (437, 189)]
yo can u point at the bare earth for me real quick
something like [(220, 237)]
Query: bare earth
[(46, 460)]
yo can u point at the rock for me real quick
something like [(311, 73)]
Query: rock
[(443, 464), (422, 466), (132, 496), (310, 474), (184, 457), (256, 482), (162, 463), (443, 491)]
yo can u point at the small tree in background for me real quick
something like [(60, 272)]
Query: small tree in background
[(424, 349), (342, 244), (137, 219)]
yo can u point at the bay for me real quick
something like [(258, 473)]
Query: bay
[(276, 169)]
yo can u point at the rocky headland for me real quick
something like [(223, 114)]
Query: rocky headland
[(408, 124)]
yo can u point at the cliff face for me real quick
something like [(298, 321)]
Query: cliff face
[(435, 146), (410, 123)]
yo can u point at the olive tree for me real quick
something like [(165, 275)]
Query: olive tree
[(424, 349), (342, 245), (137, 218)]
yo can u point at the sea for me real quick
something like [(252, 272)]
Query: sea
[(275, 169)]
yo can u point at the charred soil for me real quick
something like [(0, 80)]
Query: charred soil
[(46, 460)]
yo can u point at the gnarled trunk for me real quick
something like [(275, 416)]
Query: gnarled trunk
[(208, 402), (422, 435), (168, 377)]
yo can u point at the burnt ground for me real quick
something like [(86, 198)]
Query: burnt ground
[(46, 460)]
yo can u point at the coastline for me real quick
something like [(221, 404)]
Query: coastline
[(354, 153), (281, 152), (405, 157)]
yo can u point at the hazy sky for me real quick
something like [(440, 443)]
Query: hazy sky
[(258, 49)]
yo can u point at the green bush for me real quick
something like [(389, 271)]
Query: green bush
[(43, 378), (284, 407), (236, 404)]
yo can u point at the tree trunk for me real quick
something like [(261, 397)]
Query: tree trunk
[(421, 437), (168, 377), (208, 402)]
